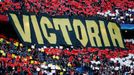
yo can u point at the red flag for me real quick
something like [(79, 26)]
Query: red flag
[(74, 52), (71, 58), (86, 60)]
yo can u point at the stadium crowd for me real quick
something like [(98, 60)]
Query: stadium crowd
[(121, 11), (17, 59)]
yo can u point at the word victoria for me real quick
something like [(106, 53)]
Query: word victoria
[(77, 31)]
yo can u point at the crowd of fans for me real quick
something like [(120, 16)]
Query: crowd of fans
[(17, 59), (121, 11)]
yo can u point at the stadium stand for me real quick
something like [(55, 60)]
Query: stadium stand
[(18, 59), (121, 11)]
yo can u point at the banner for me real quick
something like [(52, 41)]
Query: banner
[(66, 30)]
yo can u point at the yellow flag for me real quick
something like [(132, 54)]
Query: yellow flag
[(29, 50), (57, 57), (3, 54), (1, 39), (32, 61), (16, 44), (13, 55)]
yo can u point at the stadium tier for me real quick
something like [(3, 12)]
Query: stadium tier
[(121, 11)]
